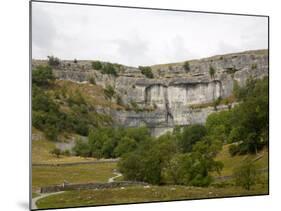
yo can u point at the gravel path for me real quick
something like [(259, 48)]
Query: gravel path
[(111, 179), (34, 200)]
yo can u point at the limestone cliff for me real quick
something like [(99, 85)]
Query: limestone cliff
[(172, 94)]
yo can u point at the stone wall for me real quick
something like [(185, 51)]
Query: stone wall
[(86, 186)]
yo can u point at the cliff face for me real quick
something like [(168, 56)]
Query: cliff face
[(174, 91)]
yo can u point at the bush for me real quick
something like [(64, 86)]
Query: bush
[(75, 61), (186, 66), (246, 175), (109, 68), (82, 148), (53, 61), (233, 150), (42, 76), (56, 152), (92, 80), (109, 92), (147, 71), (212, 71), (97, 65), (254, 66), (119, 100)]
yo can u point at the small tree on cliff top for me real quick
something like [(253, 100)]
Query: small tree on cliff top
[(212, 71)]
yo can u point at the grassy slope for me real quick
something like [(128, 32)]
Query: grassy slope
[(94, 94), (141, 194), (83, 173), (41, 152), (232, 162)]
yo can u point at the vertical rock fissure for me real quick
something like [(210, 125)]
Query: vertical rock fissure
[(169, 116)]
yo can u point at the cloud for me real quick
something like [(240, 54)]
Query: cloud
[(43, 32), (140, 37)]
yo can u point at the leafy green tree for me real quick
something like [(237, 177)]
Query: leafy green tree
[(246, 175), (152, 157), (190, 136), (125, 145), (250, 118), (82, 148), (219, 124), (194, 168)]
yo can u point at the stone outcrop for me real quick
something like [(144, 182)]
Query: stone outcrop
[(173, 91)]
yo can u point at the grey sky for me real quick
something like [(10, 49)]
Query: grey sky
[(140, 37)]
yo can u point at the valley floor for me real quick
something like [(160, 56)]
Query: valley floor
[(143, 194)]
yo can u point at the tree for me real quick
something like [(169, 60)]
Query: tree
[(219, 124), (250, 118), (97, 65), (82, 148), (147, 71), (57, 152), (186, 66), (190, 136), (151, 157), (125, 145), (212, 71), (194, 168), (109, 68), (246, 175), (53, 61)]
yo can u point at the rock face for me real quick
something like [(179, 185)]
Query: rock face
[(173, 91)]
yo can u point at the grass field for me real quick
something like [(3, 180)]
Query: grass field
[(261, 160), (41, 152), (142, 194), (83, 173)]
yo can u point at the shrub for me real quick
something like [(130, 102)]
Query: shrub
[(53, 61), (42, 76), (75, 61), (57, 152), (92, 80), (109, 68), (246, 175), (233, 150), (212, 71), (97, 65), (186, 66), (147, 71), (82, 148), (66, 152), (254, 66), (119, 100), (109, 92)]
